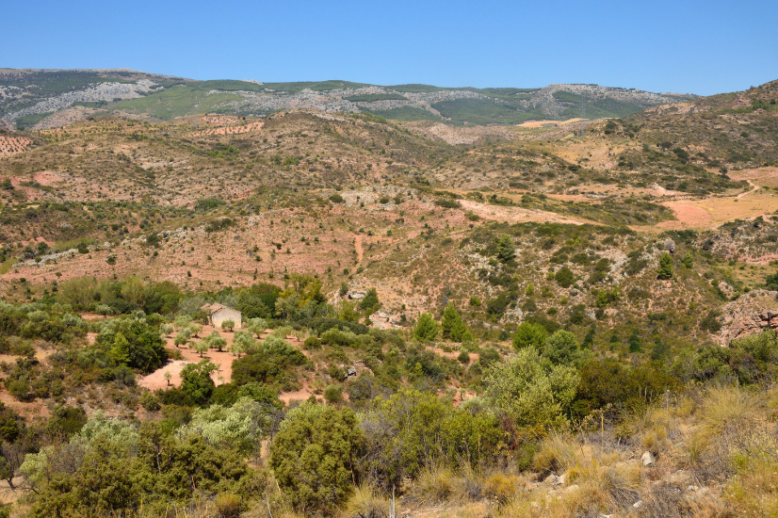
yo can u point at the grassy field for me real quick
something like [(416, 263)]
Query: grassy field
[(481, 111), (31, 120), (375, 97), (594, 109), (176, 102), (407, 114)]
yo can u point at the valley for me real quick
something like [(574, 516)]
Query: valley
[(473, 299)]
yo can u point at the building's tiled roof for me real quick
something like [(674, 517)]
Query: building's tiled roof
[(213, 308)]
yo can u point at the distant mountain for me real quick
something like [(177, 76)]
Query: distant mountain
[(50, 98)]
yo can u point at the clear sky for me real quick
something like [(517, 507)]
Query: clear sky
[(701, 47)]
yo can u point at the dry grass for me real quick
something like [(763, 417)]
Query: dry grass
[(366, 500)]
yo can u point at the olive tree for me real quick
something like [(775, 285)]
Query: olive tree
[(228, 325)]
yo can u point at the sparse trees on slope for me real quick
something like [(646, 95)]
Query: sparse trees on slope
[(201, 347), (228, 325), (166, 329), (257, 326), (242, 342), (182, 337)]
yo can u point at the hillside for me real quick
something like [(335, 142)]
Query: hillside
[(558, 317), (46, 99)]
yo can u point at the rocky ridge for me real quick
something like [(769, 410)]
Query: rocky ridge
[(99, 92)]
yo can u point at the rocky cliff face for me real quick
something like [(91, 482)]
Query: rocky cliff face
[(750, 313), (100, 92)]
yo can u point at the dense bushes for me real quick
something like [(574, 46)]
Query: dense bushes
[(321, 325), (259, 301), (111, 468), (412, 430), (314, 454), (269, 364), (531, 390), (86, 293), (606, 383), (748, 360), (133, 342)]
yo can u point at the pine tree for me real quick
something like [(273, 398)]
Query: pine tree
[(634, 342), (426, 327), (505, 249), (588, 339), (665, 267), (454, 328)]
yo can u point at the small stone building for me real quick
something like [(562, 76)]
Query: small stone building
[(217, 313)]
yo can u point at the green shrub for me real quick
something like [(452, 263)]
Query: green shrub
[(562, 348), (272, 362), (333, 394), (196, 381), (529, 334), (313, 454), (506, 249), (531, 390), (454, 328), (564, 277), (312, 343), (150, 402)]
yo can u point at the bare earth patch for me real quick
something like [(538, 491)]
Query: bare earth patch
[(516, 214), (545, 124), (712, 212), (156, 380), (28, 410)]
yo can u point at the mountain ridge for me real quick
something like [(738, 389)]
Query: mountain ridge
[(30, 97)]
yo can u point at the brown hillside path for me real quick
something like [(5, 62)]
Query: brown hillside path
[(754, 188), (358, 247)]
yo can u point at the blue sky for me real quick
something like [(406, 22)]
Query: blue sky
[(701, 47)]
